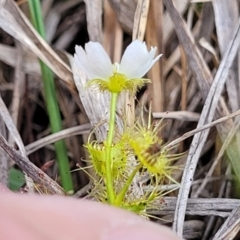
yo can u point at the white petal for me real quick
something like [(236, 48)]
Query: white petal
[(137, 60), (99, 61), (94, 62), (81, 60)]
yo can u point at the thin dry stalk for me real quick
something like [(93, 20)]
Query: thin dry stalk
[(31, 170)]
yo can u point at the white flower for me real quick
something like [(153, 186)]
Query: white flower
[(135, 63)]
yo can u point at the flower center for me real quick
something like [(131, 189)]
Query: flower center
[(117, 82)]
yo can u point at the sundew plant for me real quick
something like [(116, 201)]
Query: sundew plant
[(137, 151)]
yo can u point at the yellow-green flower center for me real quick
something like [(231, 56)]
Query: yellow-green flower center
[(117, 83)]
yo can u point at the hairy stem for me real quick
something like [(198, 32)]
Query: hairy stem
[(121, 195), (109, 163)]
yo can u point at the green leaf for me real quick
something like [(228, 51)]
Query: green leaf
[(16, 179)]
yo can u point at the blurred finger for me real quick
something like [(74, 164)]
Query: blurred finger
[(53, 217)]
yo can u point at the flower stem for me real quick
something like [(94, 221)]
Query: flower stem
[(109, 163), (121, 195)]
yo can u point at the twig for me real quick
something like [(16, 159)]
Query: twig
[(179, 115), (30, 169), (220, 207), (199, 129), (82, 129)]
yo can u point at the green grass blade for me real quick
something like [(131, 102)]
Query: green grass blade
[(52, 103)]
